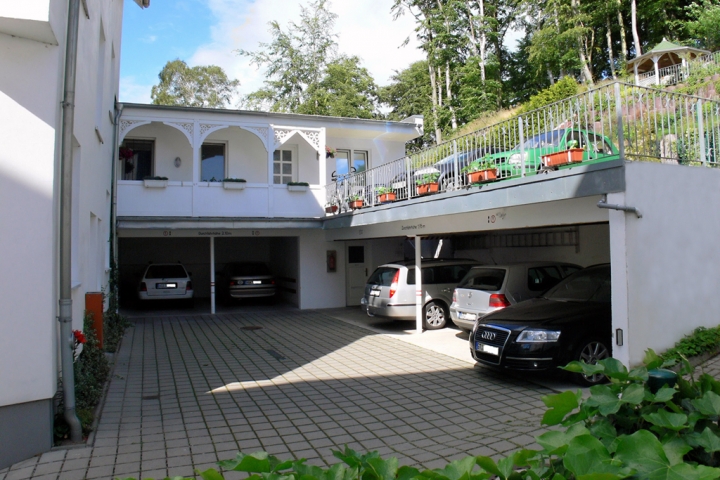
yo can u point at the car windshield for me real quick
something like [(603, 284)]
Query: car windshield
[(249, 269), (382, 276), (590, 285), (547, 139), (488, 279), (165, 271)]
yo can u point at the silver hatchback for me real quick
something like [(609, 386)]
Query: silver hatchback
[(165, 281), (390, 290), (488, 288)]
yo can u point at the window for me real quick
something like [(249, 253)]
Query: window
[(350, 161), (487, 279), (212, 166), (542, 278), (282, 166), (140, 165)]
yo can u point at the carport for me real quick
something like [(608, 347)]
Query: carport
[(204, 253)]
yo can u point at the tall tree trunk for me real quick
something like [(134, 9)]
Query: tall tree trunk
[(621, 22), (483, 40), (611, 59), (551, 76), (433, 87), (448, 96), (633, 20), (581, 47)]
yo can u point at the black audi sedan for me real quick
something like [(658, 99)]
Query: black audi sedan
[(571, 321)]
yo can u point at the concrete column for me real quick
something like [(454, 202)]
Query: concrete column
[(212, 275), (418, 285), (655, 60), (618, 268)]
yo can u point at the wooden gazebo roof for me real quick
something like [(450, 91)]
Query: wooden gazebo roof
[(669, 53)]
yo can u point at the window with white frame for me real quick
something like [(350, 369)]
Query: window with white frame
[(212, 163), (350, 161), (282, 166)]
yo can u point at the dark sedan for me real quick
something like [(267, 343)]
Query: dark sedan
[(572, 321)]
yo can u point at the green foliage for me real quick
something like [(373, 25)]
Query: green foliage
[(295, 60), (299, 184), (347, 90), (705, 16), (427, 178), (234, 180), (155, 178), (562, 89), (354, 198), (114, 324), (478, 165), (702, 340), (202, 86), (383, 190)]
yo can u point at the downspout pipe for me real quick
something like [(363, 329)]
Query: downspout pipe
[(603, 204), (113, 188), (66, 161)]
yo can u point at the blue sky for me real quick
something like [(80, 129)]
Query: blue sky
[(204, 32)]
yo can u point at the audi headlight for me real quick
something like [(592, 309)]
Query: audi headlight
[(538, 336), (515, 158)]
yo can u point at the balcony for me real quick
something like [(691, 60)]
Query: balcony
[(30, 20)]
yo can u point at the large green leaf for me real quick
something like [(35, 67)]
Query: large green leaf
[(652, 359), (556, 442), (643, 452), (604, 399), (615, 369), (707, 439), (708, 404), (378, 469), (665, 394), (560, 405), (406, 473), (211, 474), (488, 464), (675, 449), (586, 455), (585, 368), (457, 470), (665, 419), (601, 476), (633, 394), (258, 462)]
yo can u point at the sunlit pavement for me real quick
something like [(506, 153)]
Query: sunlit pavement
[(189, 389)]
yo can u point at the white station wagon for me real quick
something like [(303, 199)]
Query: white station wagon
[(165, 281), (490, 287)]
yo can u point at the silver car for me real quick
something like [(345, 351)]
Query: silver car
[(247, 280), (165, 281), (390, 290), (488, 288)]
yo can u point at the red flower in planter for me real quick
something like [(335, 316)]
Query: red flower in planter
[(79, 336), (126, 153)]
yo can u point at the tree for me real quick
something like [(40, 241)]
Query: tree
[(296, 59), (347, 90), (410, 93), (704, 26), (202, 86)]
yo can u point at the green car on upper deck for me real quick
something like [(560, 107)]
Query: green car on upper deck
[(597, 148)]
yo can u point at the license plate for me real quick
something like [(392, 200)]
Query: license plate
[(257, 282), (481, 347), (374, 293), (467, 316), (166, 285)]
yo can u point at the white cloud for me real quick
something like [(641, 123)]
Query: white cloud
[(133, 92), (365, 29)]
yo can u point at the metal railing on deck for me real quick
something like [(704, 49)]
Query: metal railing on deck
[(678, 73), (613, 121)]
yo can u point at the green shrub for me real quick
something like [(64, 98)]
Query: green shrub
[(702, 340)]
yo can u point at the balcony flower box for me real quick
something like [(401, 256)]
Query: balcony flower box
[(331, 209), (298, 187), (234, 184), (426, 188), (386, 197), (481, 176), (155, 182), (572, 155), (355, 203)]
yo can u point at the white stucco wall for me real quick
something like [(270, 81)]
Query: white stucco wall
[(30, 96), (246, 154), (170, 143), (318, 287), (672, 253)]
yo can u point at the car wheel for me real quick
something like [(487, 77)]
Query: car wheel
[(590, 351), (434, 316)]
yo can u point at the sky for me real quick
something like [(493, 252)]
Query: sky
[(208, 32)]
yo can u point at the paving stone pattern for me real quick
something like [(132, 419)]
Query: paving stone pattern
[(188, 391)]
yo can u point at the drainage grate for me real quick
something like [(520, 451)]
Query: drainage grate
[(151, 397), (275, 354), (251, 327)]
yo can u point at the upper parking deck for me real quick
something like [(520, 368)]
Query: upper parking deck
[(571, 149)]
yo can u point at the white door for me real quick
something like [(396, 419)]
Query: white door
[(356, 273)]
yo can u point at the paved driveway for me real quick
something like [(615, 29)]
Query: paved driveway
[(189, 390)]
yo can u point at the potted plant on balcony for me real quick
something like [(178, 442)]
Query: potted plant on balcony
[(355, 201), (155, 182), (385, 194), (298, 186), (571, 154), (480, 170), (427, 183), (234, 183), (331, 207)]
